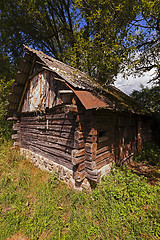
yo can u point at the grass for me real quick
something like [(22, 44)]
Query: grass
[(39, 206)]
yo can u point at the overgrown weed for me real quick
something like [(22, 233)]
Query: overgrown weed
[(150, 153), (37, 204)]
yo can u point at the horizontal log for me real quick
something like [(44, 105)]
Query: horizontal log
[(104, 149), (90, 156), (90, 165), (17, 144), (16, 126), (104, 139), (78, 153), (81, 166), (15, 136), (78, 160), (103, 163), (91, 148), (91, 176), (51, 157), (79, 176), (55, 152), (91, 139), (108, 144), (79, 144), (47, 116), (60, 116), (92, 172), (49, 122), (102, 156), (50, 128), (93, 132), (71, 109), (68, 135), (14, 118), (50, 140), (78, 135)]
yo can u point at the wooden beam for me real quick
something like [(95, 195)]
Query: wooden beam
[(26, 85), (59, 79), (65, 91)]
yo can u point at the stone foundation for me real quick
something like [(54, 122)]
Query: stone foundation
[(64, 173)]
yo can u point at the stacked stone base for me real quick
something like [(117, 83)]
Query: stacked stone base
[(64, 173)]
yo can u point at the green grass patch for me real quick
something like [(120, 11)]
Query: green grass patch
[(37, 204)]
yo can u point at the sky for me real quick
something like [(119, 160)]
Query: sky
[(133, 83)]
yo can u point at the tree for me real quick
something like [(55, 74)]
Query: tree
[(126, 33), (148, 97), (47, 25), (6, 80), (100, 37), (144, 38)]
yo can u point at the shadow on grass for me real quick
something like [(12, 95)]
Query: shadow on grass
[(152, 173)]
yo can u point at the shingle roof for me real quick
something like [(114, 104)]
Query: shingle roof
[(106, 97)]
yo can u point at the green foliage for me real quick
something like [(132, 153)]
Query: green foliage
[(7, 73), (5, 126), (37, 204), (100, 37), (150, 153), (148, 97)]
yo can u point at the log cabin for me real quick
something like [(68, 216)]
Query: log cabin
[(66, 121)]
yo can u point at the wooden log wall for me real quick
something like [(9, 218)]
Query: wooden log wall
[(78, 154), (146, 132), (117, 137), (50, 135), (84, 154), (104, 123), (127, 137), (17, 133)]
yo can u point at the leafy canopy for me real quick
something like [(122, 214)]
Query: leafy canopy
[(100, 37)]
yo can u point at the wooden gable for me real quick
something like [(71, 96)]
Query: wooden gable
[(45, 91)]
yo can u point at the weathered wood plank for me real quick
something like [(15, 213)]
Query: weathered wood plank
[(78, 153), (50, 122), (15, 136), (50, 128), (50, 140), (57, 154), (79, 176), (78, 160), (104, 149), (79, 144), (90, 156), (81, 166), (103, 163), (105, 144), (91, 148), (104, 155), (16, 126), (69, 135), (90, 165)]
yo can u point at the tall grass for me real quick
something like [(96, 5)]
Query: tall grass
[(37, 204)]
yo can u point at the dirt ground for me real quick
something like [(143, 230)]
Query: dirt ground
[(152, 173), (18, 236)]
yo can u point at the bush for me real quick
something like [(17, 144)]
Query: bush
[(5, 126), (150, 153)]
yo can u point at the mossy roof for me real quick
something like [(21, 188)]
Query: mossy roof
[(115, 99)]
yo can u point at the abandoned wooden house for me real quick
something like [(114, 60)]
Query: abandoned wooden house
[(67, 121)]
